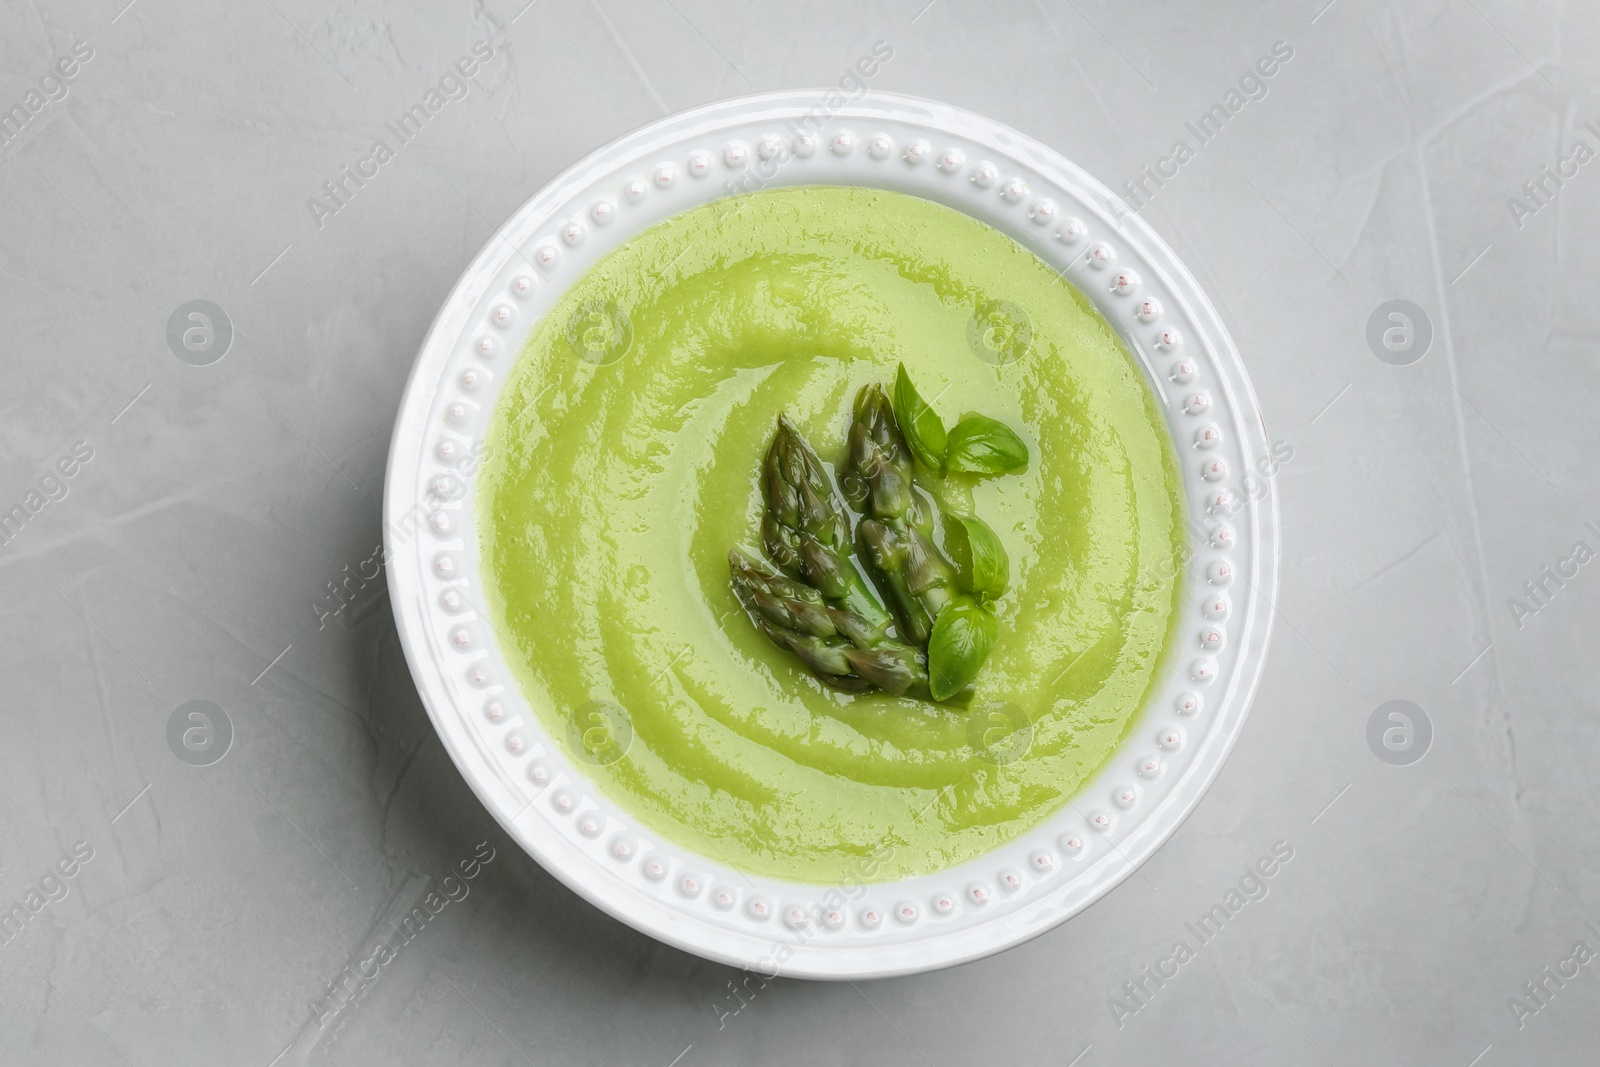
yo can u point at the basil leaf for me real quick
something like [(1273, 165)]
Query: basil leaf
[(920, 425), (982, 566), (981, 445), (962, 637)]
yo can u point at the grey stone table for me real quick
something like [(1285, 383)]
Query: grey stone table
[(175, 524)]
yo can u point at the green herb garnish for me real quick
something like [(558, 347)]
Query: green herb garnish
[(981, 445), (982, 566), (962, 637), (923, 429)]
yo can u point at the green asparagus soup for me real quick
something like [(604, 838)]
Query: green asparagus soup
[(624, 461)]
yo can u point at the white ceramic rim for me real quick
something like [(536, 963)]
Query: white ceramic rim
[(1027, 190)]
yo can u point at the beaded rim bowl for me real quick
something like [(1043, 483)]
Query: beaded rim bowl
[(526, 779)]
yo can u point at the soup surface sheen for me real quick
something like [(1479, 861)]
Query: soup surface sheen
[(623, 463)]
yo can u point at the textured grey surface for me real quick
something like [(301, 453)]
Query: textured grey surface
[(223, 902)]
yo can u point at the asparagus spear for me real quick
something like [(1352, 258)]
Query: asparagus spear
[(806, 529), (915, 578), (841, 647)]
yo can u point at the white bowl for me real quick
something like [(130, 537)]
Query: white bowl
[(544, 801)]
